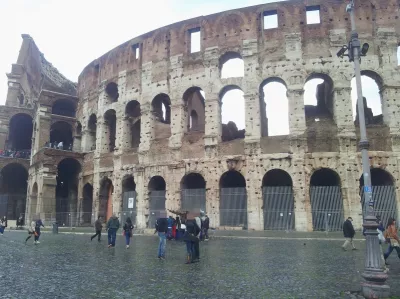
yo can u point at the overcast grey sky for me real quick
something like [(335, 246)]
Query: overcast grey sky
[(73, 33)]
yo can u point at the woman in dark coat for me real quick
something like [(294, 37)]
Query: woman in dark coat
[(128, 228)]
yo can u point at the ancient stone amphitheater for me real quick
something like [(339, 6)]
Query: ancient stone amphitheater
[(142, 131)]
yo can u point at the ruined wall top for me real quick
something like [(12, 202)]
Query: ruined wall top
[(230, 30)]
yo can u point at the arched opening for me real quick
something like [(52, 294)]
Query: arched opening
[(133, 114), (193, 193), (67, 191), (161, 106), (110, 120), (318, 98), (13, 190), (232, 113), (157, 192), (112, 92), (278, 200), (92, 127), (195, 107), (274, 108), (64, 107), (106, 199), (20, 134), (33, 201), (231, 65), (233, 200), (61, 135), (326, 200), (78, 137), (128, 199), (87, 204), (383, 194), (371, 83)]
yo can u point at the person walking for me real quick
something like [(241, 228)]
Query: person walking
[(98, 227), (162, 229), (349, 233), (128, 228), (3, 224), (112, 227), (392, 238), (192, 240), (170, 225), (31, 230), (205, 226), (38, 225)]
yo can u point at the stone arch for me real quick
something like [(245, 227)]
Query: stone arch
[(13, 190), (64, 107), (231, 65), (87, 204), (106, 198), (68, 170), (193, 193), (326, 200), (323, 107), (235, 103), (112, 92), (157, 197), (233, 199), (277, 109), (161, 106), (383, 194), (278, 200), (20, 132), (194, 102), (110, 121), (61, 131)]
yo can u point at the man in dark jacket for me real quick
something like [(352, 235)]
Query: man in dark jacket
[(112, 226), (192, 240), (348, 232), (98, 227), (162, 229)]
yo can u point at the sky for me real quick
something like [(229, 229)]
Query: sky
[(73, 33)]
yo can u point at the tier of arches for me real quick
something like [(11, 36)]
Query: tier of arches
[(278, 198)]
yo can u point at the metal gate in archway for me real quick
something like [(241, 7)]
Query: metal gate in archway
[(233, 207), (278, 208), (128, 206), (326, 208), (193, 200), (156, 206), (385, 204)]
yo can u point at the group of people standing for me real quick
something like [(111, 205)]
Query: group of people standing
[(386, 235)]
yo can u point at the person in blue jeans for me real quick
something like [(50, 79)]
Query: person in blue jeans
[(128, 228), (112, 227), (162, 229), (3, 224), (38, 225)]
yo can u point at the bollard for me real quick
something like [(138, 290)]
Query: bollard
[(55, 228)]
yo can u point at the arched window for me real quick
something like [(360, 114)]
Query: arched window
[(195, 105), (132, 111), (92, 127), (232, 113), (20, 134), (231, 65), (64, 107), (110, 119), (112, 92), (162, 108), (61, 132), (318, 98)]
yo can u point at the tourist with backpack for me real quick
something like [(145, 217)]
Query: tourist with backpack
[(192, 240), (128, 228), (161, 230), (37, 233), (205, 225), (392, 238), (31, 231)]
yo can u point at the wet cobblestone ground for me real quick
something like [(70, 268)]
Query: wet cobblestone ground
[(70, 266)]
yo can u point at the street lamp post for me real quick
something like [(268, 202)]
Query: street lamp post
[(373, 285)]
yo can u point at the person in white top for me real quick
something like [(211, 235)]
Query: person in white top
[(31, 230), (61, 145)]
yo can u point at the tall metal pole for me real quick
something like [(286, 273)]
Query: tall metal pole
[(374, 285)]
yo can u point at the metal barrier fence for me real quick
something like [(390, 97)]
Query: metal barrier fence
[(326, 208), (193, 200), (233, 207), (278, 207)]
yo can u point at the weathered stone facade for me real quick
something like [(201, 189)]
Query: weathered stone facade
[(120, 94)]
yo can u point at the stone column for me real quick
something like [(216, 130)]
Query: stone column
[(47, 199), (254, 199), (253, 118), (212, 201), (142, 199), (391, 113), (213, 126), (147, 127), (102, 140), (178, 125), (302, 210), (43, 126), (125, 140), (297, 118)]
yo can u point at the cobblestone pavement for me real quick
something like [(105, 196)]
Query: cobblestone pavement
[(70, 266)]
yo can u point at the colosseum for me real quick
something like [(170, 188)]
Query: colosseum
[(142, 131)]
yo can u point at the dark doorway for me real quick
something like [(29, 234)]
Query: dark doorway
[(64, 107), (20, 135), (13, 190), (92, 127), (106, 199), (129, 204), (278, 201), (157, 191), (193, 192), (233, 200), (111, 123), (67, 192), (61, 132), (326, 200)]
